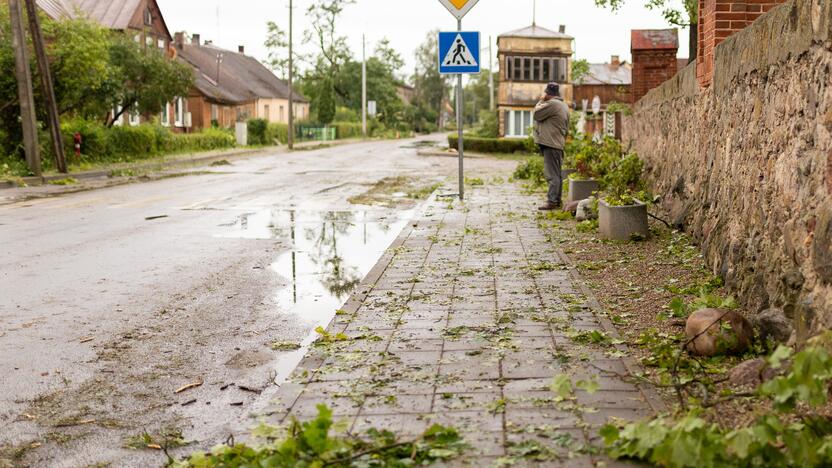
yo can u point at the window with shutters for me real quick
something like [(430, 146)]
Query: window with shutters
[(536, 69)]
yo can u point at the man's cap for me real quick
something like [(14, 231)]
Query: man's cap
[(553, 89)]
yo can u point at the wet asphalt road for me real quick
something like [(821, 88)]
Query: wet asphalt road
[(113, 299)]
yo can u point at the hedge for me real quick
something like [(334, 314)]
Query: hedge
[(344, 130), (125, 143), (490, 145), (261, 132)]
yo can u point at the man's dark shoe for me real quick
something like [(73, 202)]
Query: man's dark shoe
[(549, 206)]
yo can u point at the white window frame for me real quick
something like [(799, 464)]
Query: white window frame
[(165, 117), (511, 123), (161, 44), (179, 112), (117, 123), (133, 116)]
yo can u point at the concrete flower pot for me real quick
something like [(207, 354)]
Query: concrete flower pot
[(581, 189), (565, 173), (622, 222)]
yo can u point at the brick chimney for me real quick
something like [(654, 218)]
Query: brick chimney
[(195, 39), (654, 58), (179, 39), (241, 49), (615, 61), (719, 19), (562, 29)]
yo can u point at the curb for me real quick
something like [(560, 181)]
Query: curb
[(161, 165), (650, 394)]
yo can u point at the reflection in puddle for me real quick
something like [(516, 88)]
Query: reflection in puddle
[(330, 253)]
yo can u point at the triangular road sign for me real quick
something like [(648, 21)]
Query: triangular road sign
[(459, 8), (459, 55)]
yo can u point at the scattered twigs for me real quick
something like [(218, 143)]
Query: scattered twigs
[(189, 386), (659, 219), (369, 452)]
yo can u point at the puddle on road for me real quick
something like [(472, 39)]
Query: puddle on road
[(331, 252)]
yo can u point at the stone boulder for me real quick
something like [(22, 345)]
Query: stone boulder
[(571, 207), (773, 324), (585, 210), (751, 373), (714, 332)]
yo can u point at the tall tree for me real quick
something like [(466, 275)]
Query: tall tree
[(277, 43), (431, 87), (144, 79), (688, 18), (332, 54)]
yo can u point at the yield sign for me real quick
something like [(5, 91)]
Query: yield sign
[(459, 8)]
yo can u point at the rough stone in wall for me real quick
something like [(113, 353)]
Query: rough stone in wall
[(746, 164)]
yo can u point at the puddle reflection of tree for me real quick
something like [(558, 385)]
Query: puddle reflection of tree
[(339, 278)]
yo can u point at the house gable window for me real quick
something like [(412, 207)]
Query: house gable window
[(536, 69), (148, 17)]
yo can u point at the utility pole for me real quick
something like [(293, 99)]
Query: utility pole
[(291, 137), (23, 75), (48, 89), (364, 86)]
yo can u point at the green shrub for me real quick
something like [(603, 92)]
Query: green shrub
[(209, 139), (488, 125), (344, 130), (136, 142), (531, 170), (95, 143), (117, 144), (257, 131), (489, 145), (277, 132)]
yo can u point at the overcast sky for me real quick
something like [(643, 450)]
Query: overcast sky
[(598, 33)]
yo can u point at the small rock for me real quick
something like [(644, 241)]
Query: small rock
[(751, 373), (585, 211), (718, 332), (773, 323)]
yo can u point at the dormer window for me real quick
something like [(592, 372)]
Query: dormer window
[(148, 17)]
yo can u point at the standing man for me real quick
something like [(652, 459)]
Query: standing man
[(551, 115)]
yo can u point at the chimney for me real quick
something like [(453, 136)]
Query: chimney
[(195, 39), (179, 39), (615, 61), (562, 29), (241, 49)]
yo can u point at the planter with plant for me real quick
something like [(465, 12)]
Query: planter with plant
[(622, 212), (592, 161)]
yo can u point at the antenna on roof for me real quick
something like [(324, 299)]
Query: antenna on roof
[(534, 12), (218, 21)]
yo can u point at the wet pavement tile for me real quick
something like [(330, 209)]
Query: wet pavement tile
[(466, 327)]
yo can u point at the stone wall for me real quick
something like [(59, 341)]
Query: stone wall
[(746, 164)]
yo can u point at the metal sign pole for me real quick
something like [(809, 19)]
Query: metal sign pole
[(459, 124)]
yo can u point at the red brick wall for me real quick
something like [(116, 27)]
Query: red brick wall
[(719, 19), (652, 68)]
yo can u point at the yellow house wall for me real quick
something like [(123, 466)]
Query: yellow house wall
[(274, 107)]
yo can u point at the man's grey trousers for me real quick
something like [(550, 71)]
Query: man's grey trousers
[(552, 165)]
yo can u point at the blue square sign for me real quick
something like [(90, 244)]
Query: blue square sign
[(459, 52)]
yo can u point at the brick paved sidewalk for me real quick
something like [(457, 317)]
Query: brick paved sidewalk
[(465, 322)]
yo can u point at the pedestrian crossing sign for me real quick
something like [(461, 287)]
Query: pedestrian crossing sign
[(459, 52)]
